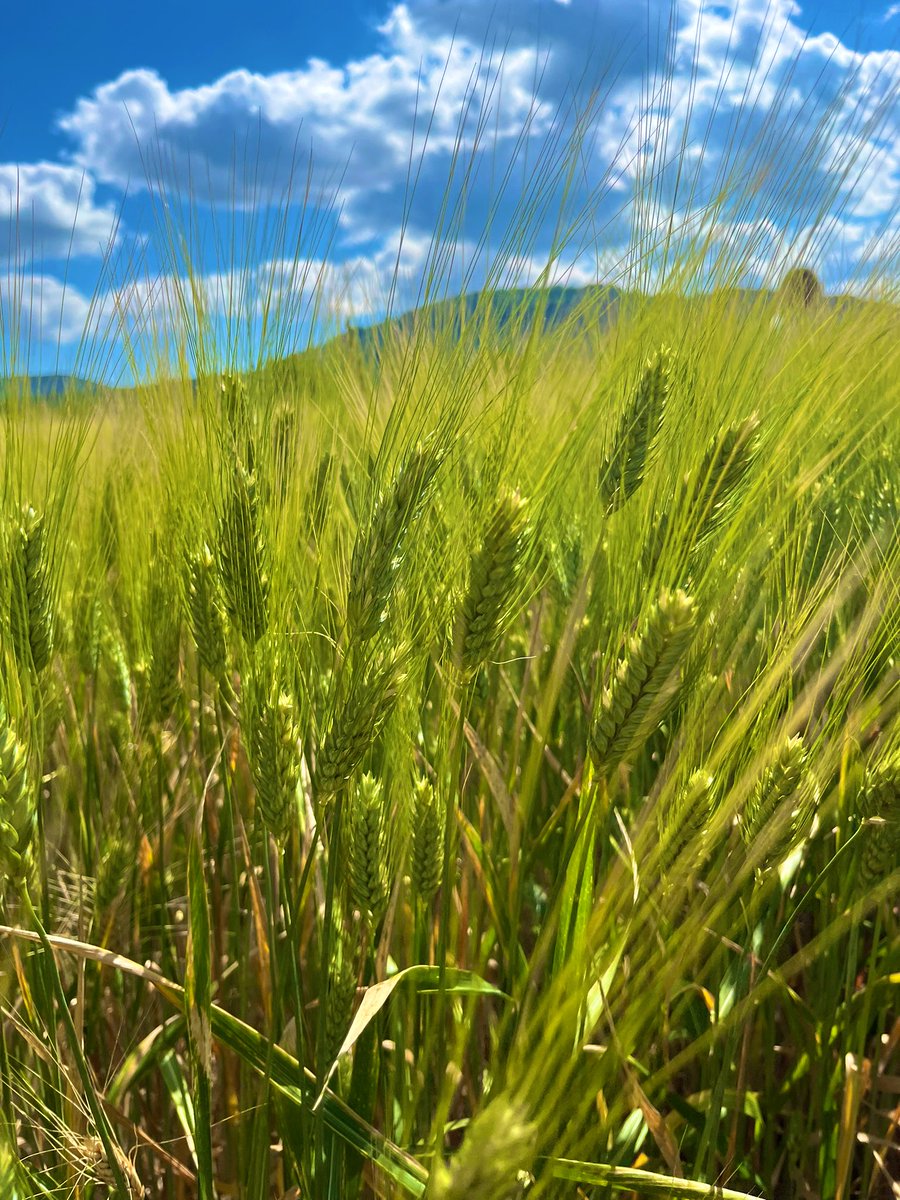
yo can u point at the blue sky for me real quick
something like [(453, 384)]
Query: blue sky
[(224, 113)]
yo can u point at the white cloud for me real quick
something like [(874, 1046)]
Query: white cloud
[(50, 211), (39, 308), (737, 94), (356, 121)]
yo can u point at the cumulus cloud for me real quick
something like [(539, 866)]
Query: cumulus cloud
[(39, 308), (356, 122), (48, 210), (464, 109)]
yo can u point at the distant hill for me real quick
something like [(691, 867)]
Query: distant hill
[(512, 309), (516, 309), (509, 309), (47, 387)]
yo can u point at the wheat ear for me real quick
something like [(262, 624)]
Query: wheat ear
[(880, 805), (274, 745), (206, 611), (31, 610), (643, 687), (378, 550), (242, 557), (17, 809), (494, 578), (427, 849), (367, 852), (365, 703), (623, 468)]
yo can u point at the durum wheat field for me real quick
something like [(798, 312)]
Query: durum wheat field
[(460, 762)]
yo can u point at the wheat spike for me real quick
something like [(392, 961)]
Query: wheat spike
[(275, 762), (623, 468), (17, 810), (499, 1146), (378, 550), (880, 804), (641, 691), (113, 873), (31, 610), (342, 981), (89, 1158), (683, 823), (367, 852), (725, 466), (87, 629), (232, 393), (242, 555), (493, 582), (785, 781), (206, 611), (427, 850), (365, 704)]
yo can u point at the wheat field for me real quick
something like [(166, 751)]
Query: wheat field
[(461, 763)]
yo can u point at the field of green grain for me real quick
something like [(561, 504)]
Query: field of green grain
[(463, 763)]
